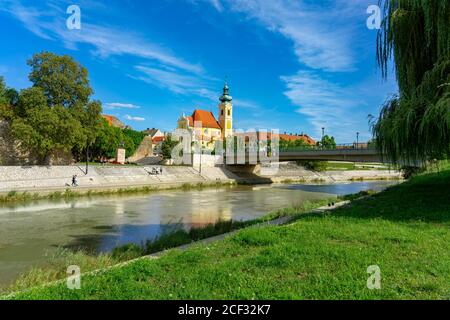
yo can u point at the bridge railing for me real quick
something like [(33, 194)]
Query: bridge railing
[(341, 146)]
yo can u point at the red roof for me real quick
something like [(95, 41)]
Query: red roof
[(158, 139), (206, 118), (113, 121), (108, 118), (304, 137), (262, 136)]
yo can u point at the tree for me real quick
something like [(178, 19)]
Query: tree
[(327, 142), (56, 113), (8, 99), (133, 140), (415, 124), (41, 129), (63, 80), (167, 147), (298, 143), (110, 138), (3, 92)]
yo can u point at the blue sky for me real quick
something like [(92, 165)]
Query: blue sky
[(292, 65)]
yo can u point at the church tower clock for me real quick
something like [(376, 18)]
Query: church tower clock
[(226, 112)]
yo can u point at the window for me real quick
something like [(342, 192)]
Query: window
[(222, 112), (229, 112)]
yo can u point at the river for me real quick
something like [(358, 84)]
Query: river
[(30, 232)]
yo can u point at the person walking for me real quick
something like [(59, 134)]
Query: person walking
[(74, 181)]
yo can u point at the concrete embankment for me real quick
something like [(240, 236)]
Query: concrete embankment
[(291, 172), (339, 176), (47, 179)]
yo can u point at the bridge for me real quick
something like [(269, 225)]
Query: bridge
[(352, 155), (343, 152)]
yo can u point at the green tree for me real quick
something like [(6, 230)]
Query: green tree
[(63, 80), (3, 92), (296, 144), (110, 138), (62, 92), (41, 129), (133, 140), (167, 147), (415, 124), (107, 141), (8, 99), (327, 142)]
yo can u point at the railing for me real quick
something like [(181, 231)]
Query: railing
[(342, 146)]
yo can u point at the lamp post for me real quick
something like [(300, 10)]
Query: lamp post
[(323, 135), (201, 152), (87, 158)]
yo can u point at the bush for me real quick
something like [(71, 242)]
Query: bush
[(127, 252), (411, 171), (313, 165)]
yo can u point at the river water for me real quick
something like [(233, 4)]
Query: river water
[(29, 233)]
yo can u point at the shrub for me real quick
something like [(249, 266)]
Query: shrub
[(314, 165)]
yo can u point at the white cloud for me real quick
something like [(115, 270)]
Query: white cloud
[(320, 40), (118, 105), (216, 4), (326, 104), (107, 41), (131, 118), (246, 104), (176, 81)]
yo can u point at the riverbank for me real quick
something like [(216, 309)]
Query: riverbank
[(19, 184), (89, 262), (404, 230)]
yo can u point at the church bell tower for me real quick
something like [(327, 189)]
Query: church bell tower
[(226, 112)]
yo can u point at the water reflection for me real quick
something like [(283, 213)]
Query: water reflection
[(28, 232)]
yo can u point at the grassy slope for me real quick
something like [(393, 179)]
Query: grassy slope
[(404, 230)]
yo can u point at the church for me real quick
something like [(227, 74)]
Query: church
[(205, 127)]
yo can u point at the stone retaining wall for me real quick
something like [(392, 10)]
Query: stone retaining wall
[(39, 178)]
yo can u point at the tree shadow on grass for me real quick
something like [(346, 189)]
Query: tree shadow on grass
[(424, 198)]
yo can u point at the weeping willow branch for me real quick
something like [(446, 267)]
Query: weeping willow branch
[(415, 125)]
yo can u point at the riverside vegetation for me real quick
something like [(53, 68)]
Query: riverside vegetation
[(405, 230), (57, 262), (13, 197)]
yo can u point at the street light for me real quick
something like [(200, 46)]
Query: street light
[(87, 157), (323, 135)]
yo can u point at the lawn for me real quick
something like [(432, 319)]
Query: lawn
[(349, 166), (404, 230)]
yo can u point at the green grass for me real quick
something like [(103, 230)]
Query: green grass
[(405, 230), (57, 263), (349, 166)]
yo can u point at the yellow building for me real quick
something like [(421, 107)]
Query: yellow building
[(204, 126)]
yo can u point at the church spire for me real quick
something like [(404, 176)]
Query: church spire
[(225, 97)]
